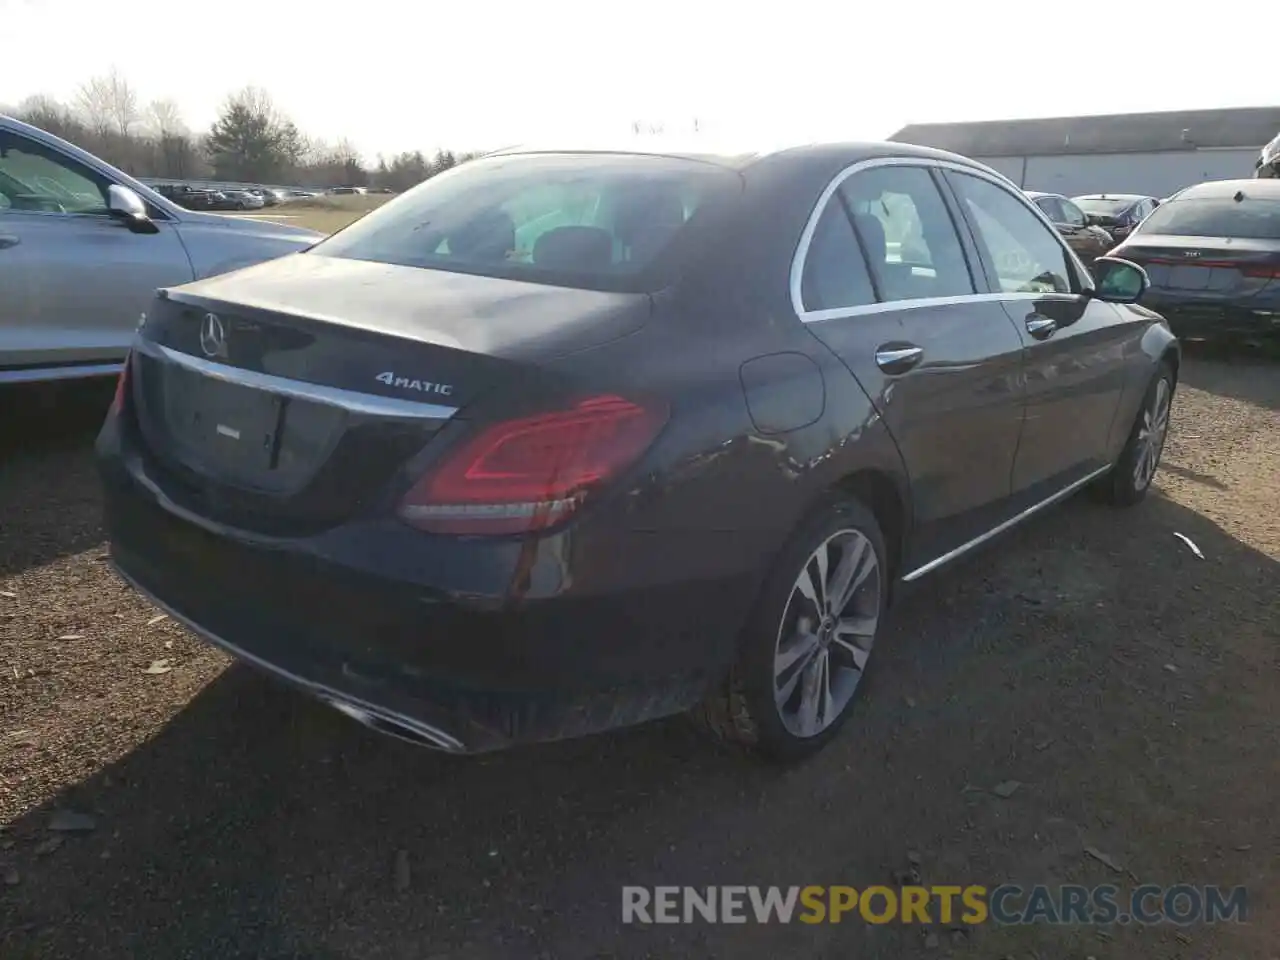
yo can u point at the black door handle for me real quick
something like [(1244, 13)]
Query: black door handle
[(898, 357), (8, 240)]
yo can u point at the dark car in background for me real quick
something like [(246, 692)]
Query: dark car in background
[(560, 441), (1117, 213), (192, 198), (1212, 252), (1089, 242)]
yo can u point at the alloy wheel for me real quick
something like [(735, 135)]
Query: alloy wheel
[(826, 634), (1152, 432)]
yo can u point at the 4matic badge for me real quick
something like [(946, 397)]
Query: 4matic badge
[(408, 383)]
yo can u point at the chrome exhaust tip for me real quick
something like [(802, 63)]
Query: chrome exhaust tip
[(401, 728)]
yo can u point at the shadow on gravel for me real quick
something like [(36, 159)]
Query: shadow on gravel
[(259, 824), (1232, 373), (49, 503)]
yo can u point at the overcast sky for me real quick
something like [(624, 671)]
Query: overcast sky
[(475, 74)]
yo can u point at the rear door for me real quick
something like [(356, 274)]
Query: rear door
[(886, 281), (73, 280), (1077, 347)]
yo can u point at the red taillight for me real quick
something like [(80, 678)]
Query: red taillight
[(527, 474), (1262, 271), (122, 385)]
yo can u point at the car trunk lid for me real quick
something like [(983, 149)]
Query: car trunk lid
[(283, 399)]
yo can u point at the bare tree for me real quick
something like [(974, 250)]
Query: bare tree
[(109, 104), (251, 140), (173, 151), (47, 113), (164, 119)]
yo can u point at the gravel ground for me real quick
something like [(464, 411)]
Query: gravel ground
[(1127, 686)]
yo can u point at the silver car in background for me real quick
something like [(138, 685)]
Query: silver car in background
[(83, 247), (244, 199)]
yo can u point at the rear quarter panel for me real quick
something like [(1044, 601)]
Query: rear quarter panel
[(721, 492), (1152, 343)]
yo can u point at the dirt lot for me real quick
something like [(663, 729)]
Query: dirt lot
[(1129, 687), (325, 214)]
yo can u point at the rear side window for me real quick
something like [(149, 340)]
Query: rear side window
[(908, 234), (1072, 214), (1027, 255), (602, 221), (835, 273), (1249, 218), (1050, 207)]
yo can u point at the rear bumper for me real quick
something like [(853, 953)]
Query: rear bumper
[(1204, 320), (430, 638)]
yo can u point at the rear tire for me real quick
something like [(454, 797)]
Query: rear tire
[(1130, 479), (804, 652)]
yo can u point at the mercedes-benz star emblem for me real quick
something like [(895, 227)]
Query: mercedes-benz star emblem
[(213, 336)]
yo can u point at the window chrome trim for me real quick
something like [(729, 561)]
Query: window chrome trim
[(350, 400), (886, 306), (995, 531), (839, 313)]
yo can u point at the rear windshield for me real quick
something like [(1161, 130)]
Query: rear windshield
[(1103, 208), (1217, 217), (600, 221)]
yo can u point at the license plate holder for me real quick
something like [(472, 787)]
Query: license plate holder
[(1189, 278), (233, 425)]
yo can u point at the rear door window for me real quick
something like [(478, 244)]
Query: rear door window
[(1050, 207), (907, 232), (1071, 214), (835, 273)]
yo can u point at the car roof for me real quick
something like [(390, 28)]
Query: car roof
[(737, 154), (1037, 194), (1114, 196), (1222, 189)]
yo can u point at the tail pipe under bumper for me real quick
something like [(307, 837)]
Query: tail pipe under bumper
[(380, 719)]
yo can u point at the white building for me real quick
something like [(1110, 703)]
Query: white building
[(1153, 154)]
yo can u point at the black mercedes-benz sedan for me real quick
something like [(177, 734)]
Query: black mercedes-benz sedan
[(560, 441), (1212, 253)]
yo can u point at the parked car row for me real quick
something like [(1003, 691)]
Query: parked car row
[(208, 198), (1094, 223), (1211, 251)]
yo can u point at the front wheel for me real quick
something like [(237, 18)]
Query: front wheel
[(1131, 478), (805, 651)]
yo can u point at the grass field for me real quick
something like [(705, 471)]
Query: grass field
[(325, 214)]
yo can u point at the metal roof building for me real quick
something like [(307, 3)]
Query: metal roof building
[(1147, 153)]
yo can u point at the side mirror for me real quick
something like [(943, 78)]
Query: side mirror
[(1119, 281), (127, 206)]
